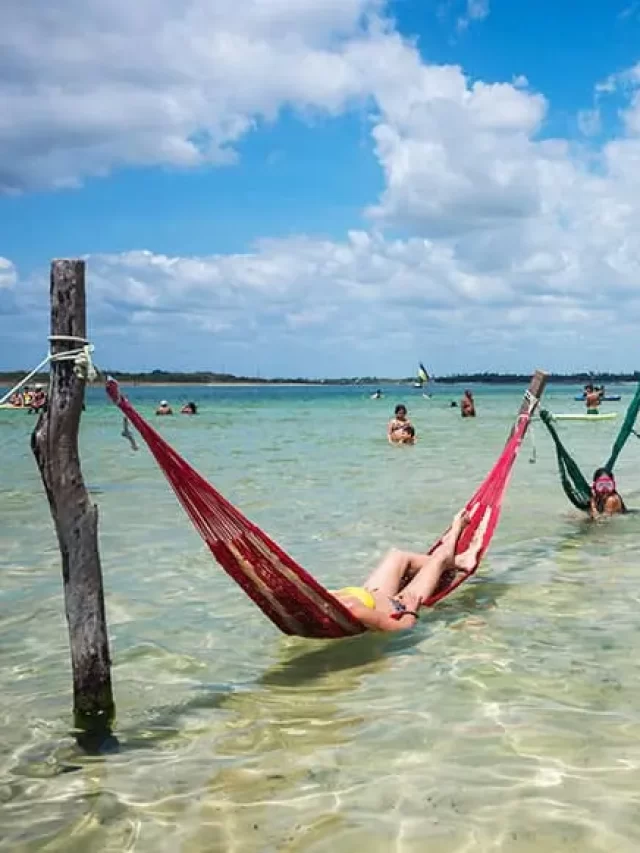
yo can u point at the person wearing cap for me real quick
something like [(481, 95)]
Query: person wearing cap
[(164, 408)]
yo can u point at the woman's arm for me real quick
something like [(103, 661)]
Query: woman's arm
[(391, 429), (377, 621)]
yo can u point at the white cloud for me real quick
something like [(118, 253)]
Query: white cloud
[(515, 247), (477, 10), (8, 275), (91, 86), (497, 299)]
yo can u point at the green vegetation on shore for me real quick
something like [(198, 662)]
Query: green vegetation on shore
[(203, 377)]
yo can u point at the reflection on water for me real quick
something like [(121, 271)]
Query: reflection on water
[(507, 721)]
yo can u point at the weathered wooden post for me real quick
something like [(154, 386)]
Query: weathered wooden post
[(55, 445)]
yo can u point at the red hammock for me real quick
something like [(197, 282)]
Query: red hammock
[(282, 589)]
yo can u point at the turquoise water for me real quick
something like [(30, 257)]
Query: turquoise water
[(509, 720)]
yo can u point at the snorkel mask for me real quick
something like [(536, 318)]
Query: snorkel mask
[(604, 485)]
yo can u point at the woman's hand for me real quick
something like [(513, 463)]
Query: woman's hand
[(410, 600)]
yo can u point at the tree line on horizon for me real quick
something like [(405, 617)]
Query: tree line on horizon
[(204, 377)]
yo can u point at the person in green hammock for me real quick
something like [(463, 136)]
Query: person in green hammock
[(605, 498), (601, 496), (390, 598)]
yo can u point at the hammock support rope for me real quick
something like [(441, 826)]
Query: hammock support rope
[(84, 367), (575, 485), (286, 593)]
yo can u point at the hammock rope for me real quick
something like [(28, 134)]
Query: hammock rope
[(286, 593), (84, 367), (575, 485)]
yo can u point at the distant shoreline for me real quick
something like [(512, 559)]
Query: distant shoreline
[(165, 378)]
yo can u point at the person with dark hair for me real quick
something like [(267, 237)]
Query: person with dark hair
[(407, 435), (592, 399), (467, 405), (396, 431), (189, 409), (605, 499)]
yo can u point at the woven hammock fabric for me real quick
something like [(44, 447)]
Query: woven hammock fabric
[(286, 593), (625, 430), (573, 481)]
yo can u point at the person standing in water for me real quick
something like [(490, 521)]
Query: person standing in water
[(467, 405), (164, 408), (592, 399), (398, 431)]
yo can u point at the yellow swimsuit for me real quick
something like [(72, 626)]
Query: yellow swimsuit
[(358, 592)]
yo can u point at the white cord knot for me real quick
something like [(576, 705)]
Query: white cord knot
[(83, 365)]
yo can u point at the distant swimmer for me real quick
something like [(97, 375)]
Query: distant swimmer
[(189, 409), (397, 430), (164, 408), (605, 498), (377, 395), (467, 405), (453, 405), (390, 598)]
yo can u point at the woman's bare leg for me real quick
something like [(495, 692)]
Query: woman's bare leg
[(426, 579), (386, 578)]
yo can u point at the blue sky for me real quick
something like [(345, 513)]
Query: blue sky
[(325, 187)]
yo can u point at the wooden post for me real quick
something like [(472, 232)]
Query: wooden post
[(536, 388), (55, 446)]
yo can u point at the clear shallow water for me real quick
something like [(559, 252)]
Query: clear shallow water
[(509, 720)]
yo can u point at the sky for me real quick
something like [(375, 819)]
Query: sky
[(325, 187)]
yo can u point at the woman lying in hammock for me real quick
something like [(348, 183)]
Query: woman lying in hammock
[(605, 499), (391, 596)]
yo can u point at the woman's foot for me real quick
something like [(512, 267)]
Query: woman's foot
[(450, 539), (468, 560)]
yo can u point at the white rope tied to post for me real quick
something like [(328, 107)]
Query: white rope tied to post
[(84, 367)]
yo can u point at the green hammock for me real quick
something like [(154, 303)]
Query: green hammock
[(575, 485)]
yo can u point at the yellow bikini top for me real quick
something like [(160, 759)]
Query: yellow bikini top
[(358, 592)]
